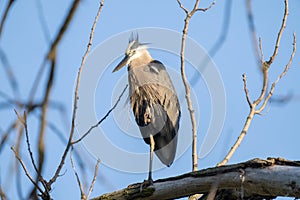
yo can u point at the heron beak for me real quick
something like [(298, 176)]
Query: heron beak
[(122, 63)]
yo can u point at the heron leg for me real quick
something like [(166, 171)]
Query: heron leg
[(152, 144)]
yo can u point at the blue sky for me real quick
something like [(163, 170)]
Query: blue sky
[(272, 134)]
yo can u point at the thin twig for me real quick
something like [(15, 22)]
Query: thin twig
[(94, 179), (261, 51), (189, 15), (42, 20), (23, 121), (10, 3), (186, 83), (10, 74), (7, 133), (252, 30), (182, 7), (246, 90), (240, 138), (207, 8), (26, 171), (56, 174), (218, 43), (286, 13), (82, 194), (188, 98), (63, 28), (102, 119)]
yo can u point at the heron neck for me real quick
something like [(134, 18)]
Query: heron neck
[(144, 59)]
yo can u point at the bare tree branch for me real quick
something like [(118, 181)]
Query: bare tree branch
[(264, 95), (189, 15)]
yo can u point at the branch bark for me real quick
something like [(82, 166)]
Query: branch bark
[(263, 178)]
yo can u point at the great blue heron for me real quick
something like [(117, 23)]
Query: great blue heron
[(153, 101)]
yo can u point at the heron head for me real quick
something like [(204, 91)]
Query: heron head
[(133, 51)]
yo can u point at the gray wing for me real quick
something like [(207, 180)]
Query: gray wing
[(156, 108)]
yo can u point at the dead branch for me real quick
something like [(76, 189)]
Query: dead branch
[(268, 178)]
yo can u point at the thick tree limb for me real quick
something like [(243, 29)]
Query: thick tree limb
[(263, 178)]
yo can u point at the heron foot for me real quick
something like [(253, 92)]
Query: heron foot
[(146, 184)]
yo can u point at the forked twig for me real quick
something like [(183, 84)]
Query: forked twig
[(269, 95)]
